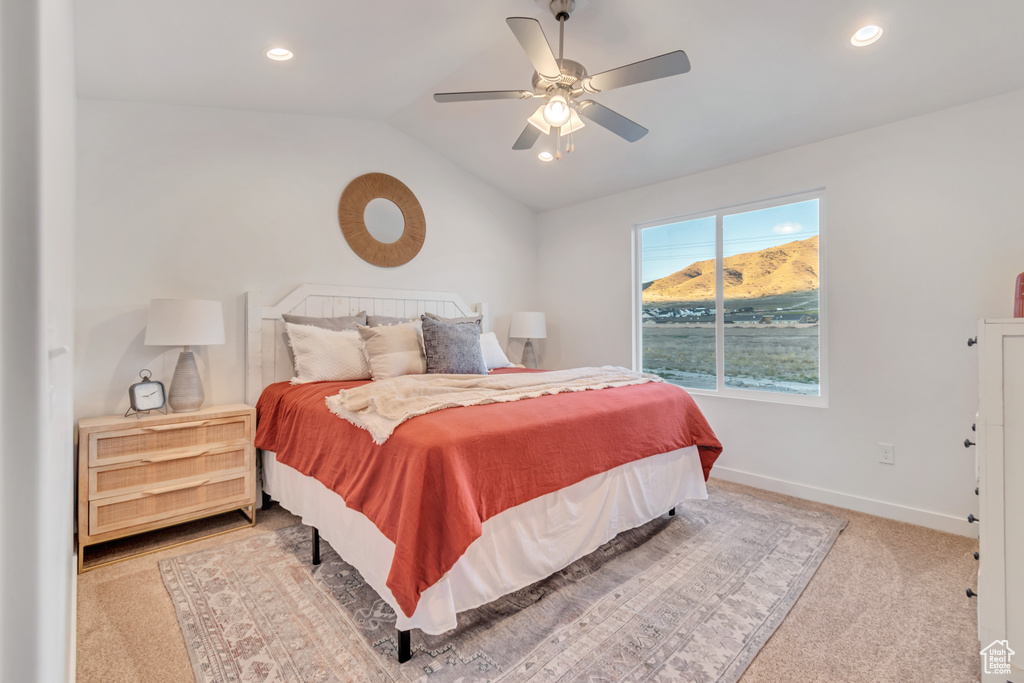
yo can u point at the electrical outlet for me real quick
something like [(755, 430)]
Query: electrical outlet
[(886, 453)]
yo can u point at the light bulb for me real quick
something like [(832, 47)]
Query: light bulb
[(556, 112), (545, 156)]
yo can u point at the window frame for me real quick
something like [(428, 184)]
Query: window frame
[(820, 401)]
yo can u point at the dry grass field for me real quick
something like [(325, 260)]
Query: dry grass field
[(773, 357)]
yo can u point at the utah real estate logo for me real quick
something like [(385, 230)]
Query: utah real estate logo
[(996, 658)]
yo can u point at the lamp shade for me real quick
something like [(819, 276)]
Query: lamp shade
[(184, 322), (528, 325)]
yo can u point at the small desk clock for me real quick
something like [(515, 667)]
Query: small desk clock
[(146, 395)]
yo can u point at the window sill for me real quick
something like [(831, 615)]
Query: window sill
[(764, 397)]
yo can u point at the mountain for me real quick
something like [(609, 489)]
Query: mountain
[(791, 267)]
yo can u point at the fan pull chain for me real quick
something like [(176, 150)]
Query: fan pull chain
[(558, 143)]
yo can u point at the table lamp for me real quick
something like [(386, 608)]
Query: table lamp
[(528, 325), (185, 322)]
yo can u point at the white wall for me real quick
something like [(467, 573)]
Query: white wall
[(182, 202), (37, 564), (924, 236)]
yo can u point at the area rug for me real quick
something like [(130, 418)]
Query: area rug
[(686, 598)]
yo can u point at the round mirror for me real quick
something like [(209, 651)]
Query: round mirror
[(384, 220)]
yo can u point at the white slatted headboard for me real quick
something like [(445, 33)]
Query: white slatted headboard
[(268, 358)]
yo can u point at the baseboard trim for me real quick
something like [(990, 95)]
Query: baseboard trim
[(880, 508)]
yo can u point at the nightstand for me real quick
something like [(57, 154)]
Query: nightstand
[(155, 471)]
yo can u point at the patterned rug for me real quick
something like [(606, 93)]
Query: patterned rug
[(687, 598)]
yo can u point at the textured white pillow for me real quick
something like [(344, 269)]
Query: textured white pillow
[(326, 355), (494, 357), (394, 350)]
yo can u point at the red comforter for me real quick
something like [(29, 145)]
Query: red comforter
[(440, 476)]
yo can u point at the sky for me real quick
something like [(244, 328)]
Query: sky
[(672, 247)]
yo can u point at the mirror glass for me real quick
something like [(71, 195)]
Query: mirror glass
[(384, 220)]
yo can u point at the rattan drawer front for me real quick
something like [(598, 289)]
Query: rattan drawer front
[(167, 468), (128, 444), (153, 505)]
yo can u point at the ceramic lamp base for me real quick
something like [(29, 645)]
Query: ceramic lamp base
[(529, 359), (186, 392)]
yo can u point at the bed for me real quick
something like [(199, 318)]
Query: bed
[(458, 543)]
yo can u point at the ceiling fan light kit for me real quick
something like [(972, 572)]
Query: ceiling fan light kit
[(562, 82)]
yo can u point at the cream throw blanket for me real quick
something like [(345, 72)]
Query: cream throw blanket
[(379, 407)]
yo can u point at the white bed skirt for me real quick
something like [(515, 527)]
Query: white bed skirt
[(518, 547)]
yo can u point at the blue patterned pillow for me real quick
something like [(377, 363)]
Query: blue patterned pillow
[(452, 348)]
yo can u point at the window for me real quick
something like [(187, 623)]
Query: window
[(729, 301)]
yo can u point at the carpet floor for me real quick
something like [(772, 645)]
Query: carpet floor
[(887, 604), (692, 597)]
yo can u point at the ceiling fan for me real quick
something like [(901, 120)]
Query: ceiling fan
[(561, 83)]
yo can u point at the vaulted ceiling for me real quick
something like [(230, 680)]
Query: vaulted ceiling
[(765, 75)]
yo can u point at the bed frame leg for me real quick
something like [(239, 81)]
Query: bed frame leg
[(267, 500), (404, 647), (316, 546), (672, 512)]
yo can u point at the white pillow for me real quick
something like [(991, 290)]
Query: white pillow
[(394, 350), (494, 357), (323, 355)]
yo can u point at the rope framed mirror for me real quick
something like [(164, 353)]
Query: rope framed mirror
[(369, 242)]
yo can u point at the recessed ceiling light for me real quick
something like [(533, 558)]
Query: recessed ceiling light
[(279, 54), (545, 156), (866, 35)]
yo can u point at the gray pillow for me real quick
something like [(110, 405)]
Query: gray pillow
[(386, 321), (471, 319), (453, 348), (347, 322)]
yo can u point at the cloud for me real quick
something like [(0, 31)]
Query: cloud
[(787, 228)]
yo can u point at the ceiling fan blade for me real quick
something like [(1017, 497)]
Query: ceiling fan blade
[(671, 64), (482, 95), (613, 121), (531, 36), (527, 138)]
